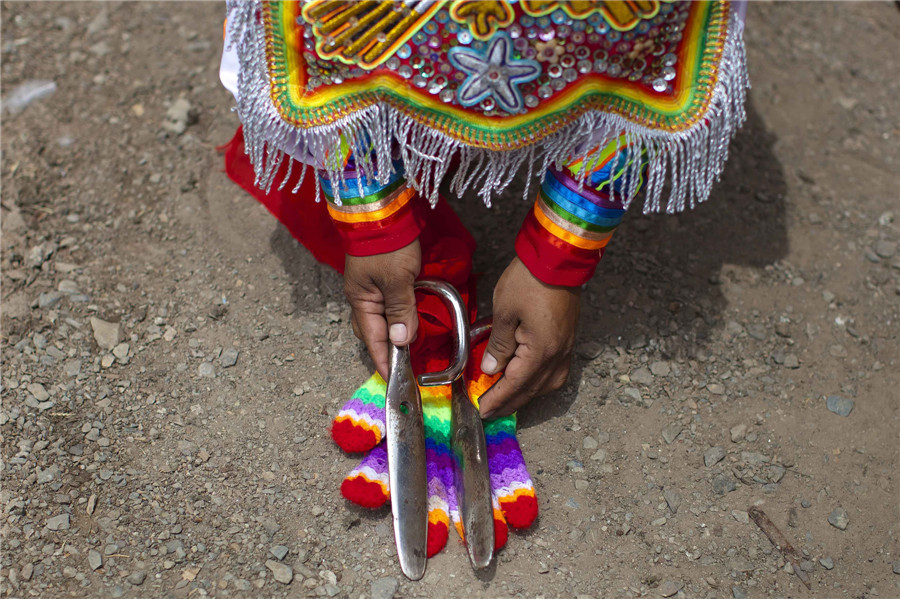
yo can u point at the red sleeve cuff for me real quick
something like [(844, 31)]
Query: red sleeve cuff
[(552, 260), (395, 231)]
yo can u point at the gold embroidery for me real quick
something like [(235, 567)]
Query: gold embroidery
[(483, 16), (365, 33)]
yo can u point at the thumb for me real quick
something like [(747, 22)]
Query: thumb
[(400, 311), (501, 347)]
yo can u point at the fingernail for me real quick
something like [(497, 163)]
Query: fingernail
[(398, 333), (488, 363)]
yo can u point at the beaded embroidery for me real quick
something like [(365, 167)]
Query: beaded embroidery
[(491, 80)]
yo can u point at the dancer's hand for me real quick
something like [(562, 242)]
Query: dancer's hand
[(532, 337), (382, 300)]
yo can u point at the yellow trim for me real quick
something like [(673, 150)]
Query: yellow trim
[(368, 217)]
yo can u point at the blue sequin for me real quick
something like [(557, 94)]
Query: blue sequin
[(405, 51)]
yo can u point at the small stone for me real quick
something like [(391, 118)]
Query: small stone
[(660, 368), (738, 593), (793, 518), (791, 361), (137, 578), (283, 573), (839, 518), (895, 567), (828, 563), (599, 455), (741, 516), (589, 443), (757, 331), (49, 299), (206, 370), (670, 587), (885, 248), (106, 334), (673, 499), (805, 503), (713, 455), (179, 116), (807, 566), (384, 588), (659, 522), (641, 376), (121, 352), (95, 560), (839, 405), (60, 522), (279, 551), (671, 432), (716, 388), (589, 350), (28, 571), (107, 360), (738, 433), (581, 485), (574, 466), (39, 392), (723, 484), (229, 357)]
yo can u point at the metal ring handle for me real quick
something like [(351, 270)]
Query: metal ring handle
[(454, 302)]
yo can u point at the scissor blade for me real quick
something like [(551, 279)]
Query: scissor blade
[(472, 478), (406, 464)]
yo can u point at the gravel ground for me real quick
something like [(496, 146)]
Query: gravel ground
[(172, 359)]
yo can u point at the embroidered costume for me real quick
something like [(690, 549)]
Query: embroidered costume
[(385, 99)]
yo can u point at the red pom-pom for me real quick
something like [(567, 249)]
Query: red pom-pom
[(352, 438), (437, 537), (363, 492), (500, 534), (521, 512)]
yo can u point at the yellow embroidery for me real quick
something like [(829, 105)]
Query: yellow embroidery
[(364, 33), (623, 15), (483, 16)]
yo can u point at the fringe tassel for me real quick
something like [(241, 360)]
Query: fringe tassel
[(691, 160)]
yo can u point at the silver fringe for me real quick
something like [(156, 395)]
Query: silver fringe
[(691, 160)]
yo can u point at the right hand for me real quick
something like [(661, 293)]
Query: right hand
[(383, 301)]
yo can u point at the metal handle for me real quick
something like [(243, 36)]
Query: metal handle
[(457, 308)]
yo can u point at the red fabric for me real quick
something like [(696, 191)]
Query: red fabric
[(309, 223), (388, 234), (437, 538), (551, 259)]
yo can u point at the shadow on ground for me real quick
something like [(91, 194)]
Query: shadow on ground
[(658, 286)]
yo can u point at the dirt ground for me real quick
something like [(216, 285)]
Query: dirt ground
[(194, 447)]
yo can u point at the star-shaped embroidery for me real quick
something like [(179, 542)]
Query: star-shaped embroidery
[(495, 73)]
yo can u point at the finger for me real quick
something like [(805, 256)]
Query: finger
[(501, 346), (400, 311), (513, 390), (355, 326), (373, 331)]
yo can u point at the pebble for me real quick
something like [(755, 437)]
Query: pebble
[(641, 376), (60, 522), (660, 368), (229, 357), (39, 392), (885, 248), (839, 518), (716, 388), (589, 350), (179, 116), (738, 593), (599, 455), (723, 484), (106, 334), (791, 361), (673, 499), (757, 331), (740, 516), (95, 560), (384, 588), (49, 299), (896, 567), (738, 433), (137, 578), (713, 455), (282, 572), (793, 518), (671, 432), (670, 587), (839, 405), (206, 370), (827, 563), (279, 551)]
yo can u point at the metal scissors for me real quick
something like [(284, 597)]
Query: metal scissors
[(406, 447)]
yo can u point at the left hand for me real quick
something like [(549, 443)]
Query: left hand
[(532, 337)]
